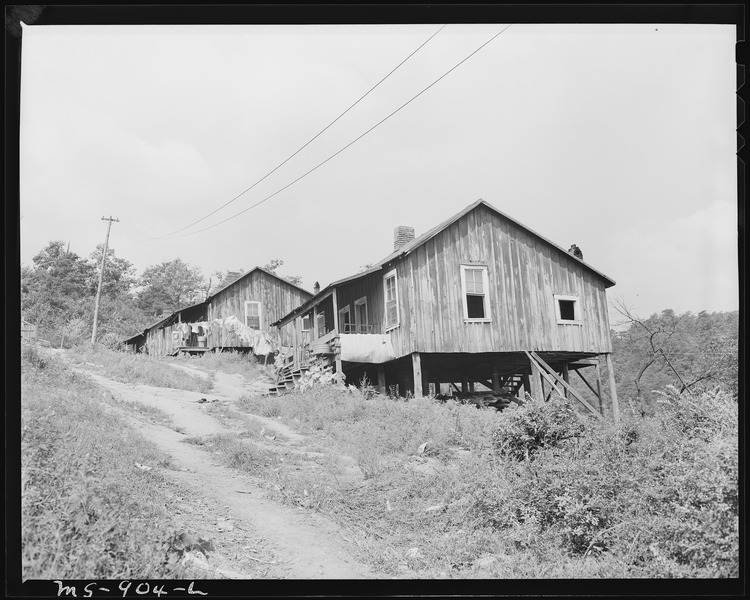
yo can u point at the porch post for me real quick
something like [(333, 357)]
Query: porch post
[(339, 369), (416, 364)]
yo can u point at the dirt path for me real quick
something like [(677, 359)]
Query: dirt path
[(254, 536)]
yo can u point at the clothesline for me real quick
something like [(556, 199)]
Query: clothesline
[(261, 343)]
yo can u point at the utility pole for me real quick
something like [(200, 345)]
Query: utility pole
[(101, 275)]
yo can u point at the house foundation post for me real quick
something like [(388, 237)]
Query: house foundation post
[(566, 378), (535, 382), (599, 387), (496, 379), (381, 379), (613, 389), (416, 364)]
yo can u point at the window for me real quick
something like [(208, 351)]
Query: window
[(391, 300), (320, 322), (567, 310), (361, 324), (345, 320), (252, 314), (475, 286), (306, 323)]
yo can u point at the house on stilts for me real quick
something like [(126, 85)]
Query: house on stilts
[(479, 302), (237, 316)]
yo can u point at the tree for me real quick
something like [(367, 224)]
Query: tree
[(275, 264), (688, 351), (169, 286), (119, 274), (55, 288)]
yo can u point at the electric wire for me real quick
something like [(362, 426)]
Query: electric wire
[(317, 135), (349, 144)]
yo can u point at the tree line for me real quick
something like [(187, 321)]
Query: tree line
[(58, 292), (693, 353)]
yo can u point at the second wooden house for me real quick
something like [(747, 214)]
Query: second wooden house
[(237, 316)]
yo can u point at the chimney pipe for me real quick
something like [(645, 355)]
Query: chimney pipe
[(402, 235), (316, 288)]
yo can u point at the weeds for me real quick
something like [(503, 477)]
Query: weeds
[(87, 510), (449, 490), (140, 368)]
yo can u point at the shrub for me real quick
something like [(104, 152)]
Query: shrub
[(523, 431)]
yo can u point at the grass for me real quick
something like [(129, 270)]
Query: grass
[(538, 492), (88, 512), (139, 369), (242, 363)]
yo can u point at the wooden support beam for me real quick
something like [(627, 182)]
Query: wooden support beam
[(586, 382), (496, 386), (566, 377), (455, 387), (416, 365), (599, 388), (552, 376), (464, 387), (613, 389), (535, 381), (381, 379), (488, 384), (425, 381)]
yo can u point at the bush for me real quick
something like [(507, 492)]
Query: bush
[(523, 431)]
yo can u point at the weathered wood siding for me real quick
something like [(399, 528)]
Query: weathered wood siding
[(370, 287), (524, 275), (159, 340), (277, 298)]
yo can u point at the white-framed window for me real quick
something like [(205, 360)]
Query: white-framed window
[(306, 323), (390, 289), (567, 310), (475, 286), (345, 320), (361, 318), (253, 314)]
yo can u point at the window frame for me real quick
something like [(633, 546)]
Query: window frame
[(485, 295), (576, 320), (345, 311), (357, 325), (386, 325), (260, 313)]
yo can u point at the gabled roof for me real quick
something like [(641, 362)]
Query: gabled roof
[(248, 273), (428, 235)]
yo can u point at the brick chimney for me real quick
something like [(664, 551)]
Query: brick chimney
[(402, 235)]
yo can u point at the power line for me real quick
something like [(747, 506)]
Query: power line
[(350, 143), (308, 142)]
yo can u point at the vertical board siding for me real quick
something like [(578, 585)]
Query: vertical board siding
[(524, 275), (277, 298)]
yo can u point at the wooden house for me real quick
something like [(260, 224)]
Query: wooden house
[(237, 316), (479, 301)]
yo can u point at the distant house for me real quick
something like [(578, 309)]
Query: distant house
[(236, 316), (479, 301)]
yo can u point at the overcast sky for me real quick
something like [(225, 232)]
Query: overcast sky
[(618, 138)]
